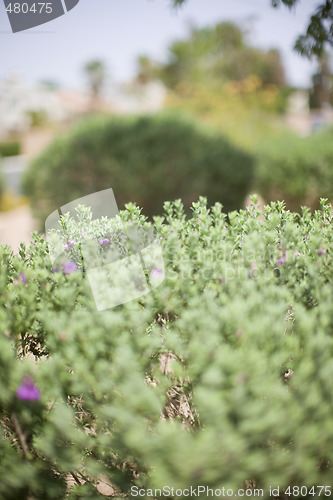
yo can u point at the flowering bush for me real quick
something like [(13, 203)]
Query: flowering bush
[(222, 376)]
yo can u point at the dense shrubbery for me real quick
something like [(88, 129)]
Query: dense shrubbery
[(298, 170), (145, 159), (221, 377), (12, 148), (2, 182)]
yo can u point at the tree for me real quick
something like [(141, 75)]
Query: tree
[(96, 72), (146, 69), (218, 54), (319, 33), (321, 92), (216, 75)]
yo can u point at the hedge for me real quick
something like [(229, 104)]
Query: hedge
[(12, 148), (298, 170), (219, 378), (144, 159)]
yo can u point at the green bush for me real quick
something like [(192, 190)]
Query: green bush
[(12, 148), (221, 377), (145, 159), (2, 182), (295, 169)]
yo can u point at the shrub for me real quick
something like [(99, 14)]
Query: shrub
[(222, 377), (2, 182), (145, 159), (12, 148), (296, 169)]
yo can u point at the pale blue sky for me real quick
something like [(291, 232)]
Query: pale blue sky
[(119, 30)]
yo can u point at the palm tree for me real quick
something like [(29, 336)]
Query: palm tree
[(96, 72)]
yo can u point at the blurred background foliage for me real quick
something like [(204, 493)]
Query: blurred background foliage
[(319, 33), (223, 134), (298, 170), (10, 148), (218, 76), (146, 159)]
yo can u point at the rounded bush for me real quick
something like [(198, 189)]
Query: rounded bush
[(145, 159), (298, 170)]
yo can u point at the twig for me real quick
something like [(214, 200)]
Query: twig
[(77, 480), (20, 435)]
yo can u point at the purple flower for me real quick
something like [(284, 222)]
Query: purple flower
[(282, 260), (156, 273), (296, 253), (69, 267), (55, 270), (123, 235), (104, 241), (172, 229), (27, 391), (69, 245), (322, 251), (23, 278)]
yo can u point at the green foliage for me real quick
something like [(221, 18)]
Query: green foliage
[(146, 159), (296, 169), (319, 31), (245, 112), (216, 75), (321, 93), (95, 71), (221, 377), (12, 148), (2, 182), (37, 117), (219, 53)]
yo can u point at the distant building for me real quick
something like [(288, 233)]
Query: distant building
[(20, 102)]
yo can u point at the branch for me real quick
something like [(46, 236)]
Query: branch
[(20, 435)]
